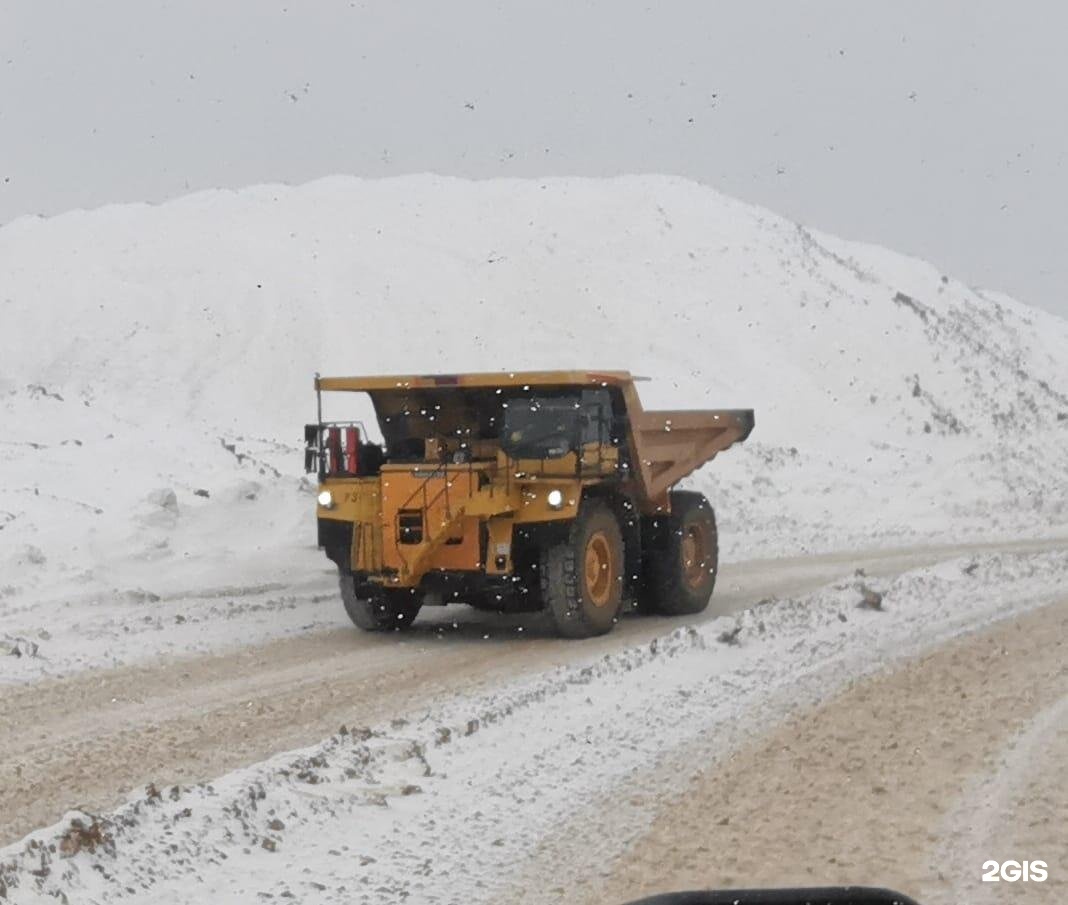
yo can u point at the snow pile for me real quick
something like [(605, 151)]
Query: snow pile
[(362, 816), (157, 366)]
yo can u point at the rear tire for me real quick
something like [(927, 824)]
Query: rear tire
[(681, 558), (388, 609), (582, 577)]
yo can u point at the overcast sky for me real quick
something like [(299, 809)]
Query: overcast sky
[(935, 128)]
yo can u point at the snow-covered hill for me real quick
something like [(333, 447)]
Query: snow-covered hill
[(156, 367)]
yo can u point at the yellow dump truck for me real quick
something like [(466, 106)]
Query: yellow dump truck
[(548, 490)]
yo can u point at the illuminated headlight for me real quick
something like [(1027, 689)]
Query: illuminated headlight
[(326, 499), (555, 499)]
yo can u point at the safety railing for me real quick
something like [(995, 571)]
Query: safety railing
[(428, 503)]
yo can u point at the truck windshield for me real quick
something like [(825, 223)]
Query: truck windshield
[(541, 428)]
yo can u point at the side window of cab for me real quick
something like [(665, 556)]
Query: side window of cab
[(597, 412)]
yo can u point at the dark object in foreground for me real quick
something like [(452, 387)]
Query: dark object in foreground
[(823, 895)]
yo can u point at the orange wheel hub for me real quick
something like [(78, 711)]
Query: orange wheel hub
[(694, 555), (599, 569)]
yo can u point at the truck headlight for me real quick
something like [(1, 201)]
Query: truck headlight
[(326, 499), (555, 499)]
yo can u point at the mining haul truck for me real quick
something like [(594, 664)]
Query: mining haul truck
[(516, 492)]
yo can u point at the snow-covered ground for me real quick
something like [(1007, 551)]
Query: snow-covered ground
[(156, 367), (156, 370), (446, 804)]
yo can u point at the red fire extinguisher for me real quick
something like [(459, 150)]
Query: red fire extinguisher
[(352, 448)]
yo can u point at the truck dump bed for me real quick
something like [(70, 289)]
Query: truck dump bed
[(669, 445)]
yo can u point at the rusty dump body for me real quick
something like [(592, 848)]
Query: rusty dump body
[(480, 473)]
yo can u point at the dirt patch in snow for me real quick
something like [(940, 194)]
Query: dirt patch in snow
[(910, 779)]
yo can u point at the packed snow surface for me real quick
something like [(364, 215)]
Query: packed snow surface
[(446, 804), (156, 369)]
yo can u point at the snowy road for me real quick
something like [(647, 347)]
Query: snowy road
[(913, 777), (486, 771), (91, 739)]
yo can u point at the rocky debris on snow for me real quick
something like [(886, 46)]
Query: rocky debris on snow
[(165, 498), (869, 599), (18, 647), (88, 834), (39, 391), (162, 509), (970, 568), (245, 490), (947, 422), (730, 636), (138, 595), (684, 638), (32, 555), (243, 458), (921, 310)]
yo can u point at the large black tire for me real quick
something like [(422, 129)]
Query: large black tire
[(680, 557), (389, 609), (582, 577)]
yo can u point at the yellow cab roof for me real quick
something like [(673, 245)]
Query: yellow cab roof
[(484, 379)]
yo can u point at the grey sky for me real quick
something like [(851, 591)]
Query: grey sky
[(935, 128)]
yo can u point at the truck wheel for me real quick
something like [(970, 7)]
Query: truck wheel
[(582, 577), (388, 610), (682, 561)]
